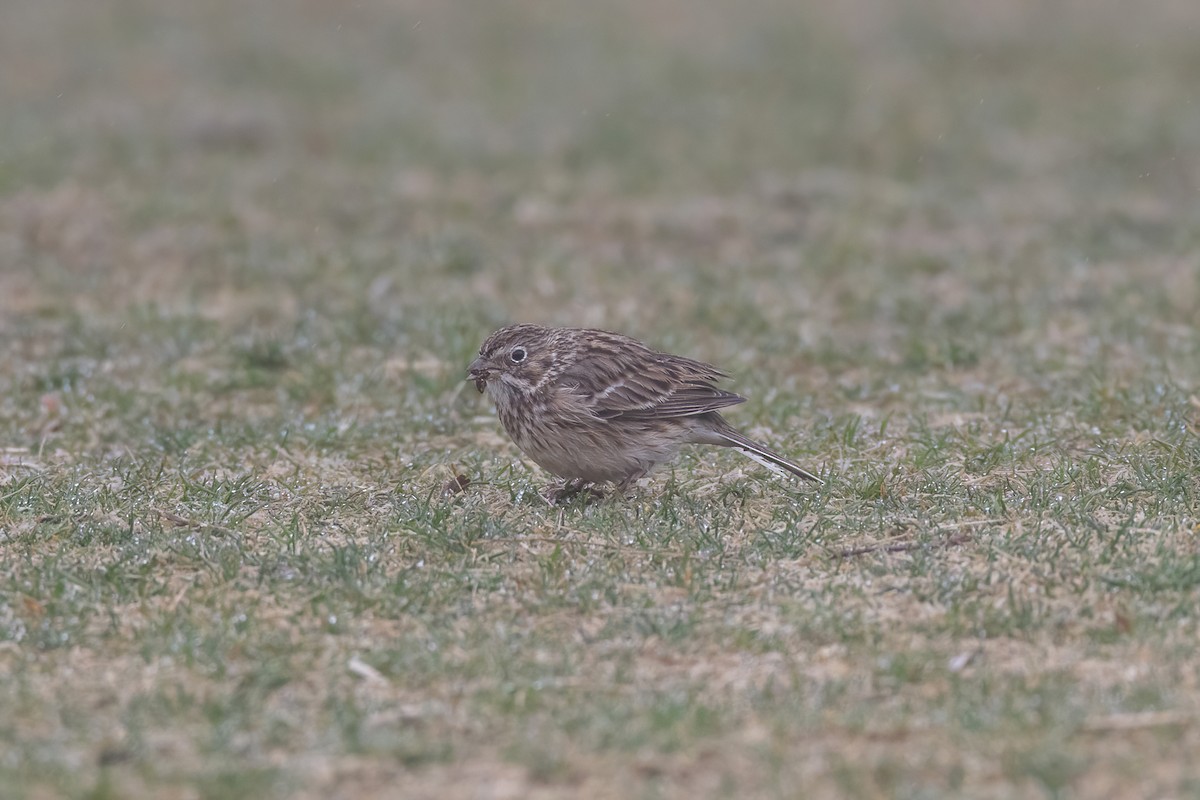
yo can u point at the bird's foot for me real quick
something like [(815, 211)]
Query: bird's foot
[(571, 489), (630, 486)]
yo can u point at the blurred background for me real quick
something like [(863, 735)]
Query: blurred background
[(643, 165)]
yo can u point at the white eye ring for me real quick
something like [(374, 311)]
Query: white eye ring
[(517, 354)]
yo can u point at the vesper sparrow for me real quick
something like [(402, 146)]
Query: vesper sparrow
[(592, 406)]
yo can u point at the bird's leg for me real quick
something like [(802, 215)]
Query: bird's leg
[(627, 484)]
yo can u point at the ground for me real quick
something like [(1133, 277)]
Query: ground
[(258, 538)]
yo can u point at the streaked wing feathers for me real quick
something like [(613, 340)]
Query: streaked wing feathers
[(648, 386), (679, 403)]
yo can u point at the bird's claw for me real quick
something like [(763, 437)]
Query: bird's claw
[(571, 489)]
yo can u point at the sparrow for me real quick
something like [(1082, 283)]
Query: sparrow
[(593, 406)]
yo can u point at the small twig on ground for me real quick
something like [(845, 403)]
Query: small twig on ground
[(960, 537), (580, 543), (900, 547), (184, 522), (1137, 721)]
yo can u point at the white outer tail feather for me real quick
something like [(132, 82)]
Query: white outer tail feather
[(770, 460)]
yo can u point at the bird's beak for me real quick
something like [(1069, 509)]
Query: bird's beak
[(479, 373)]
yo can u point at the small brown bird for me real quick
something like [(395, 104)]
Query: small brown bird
[(592, 406)]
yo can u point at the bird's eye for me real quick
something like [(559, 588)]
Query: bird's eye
[(517, 354)]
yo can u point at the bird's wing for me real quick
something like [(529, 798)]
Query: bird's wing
[(682, 402), (652, 386)]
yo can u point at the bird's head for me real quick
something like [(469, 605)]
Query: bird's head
[(517, 358)]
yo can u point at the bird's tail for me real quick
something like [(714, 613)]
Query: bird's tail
[(763, 455)]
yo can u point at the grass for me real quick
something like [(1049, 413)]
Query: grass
[(950, 256)]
